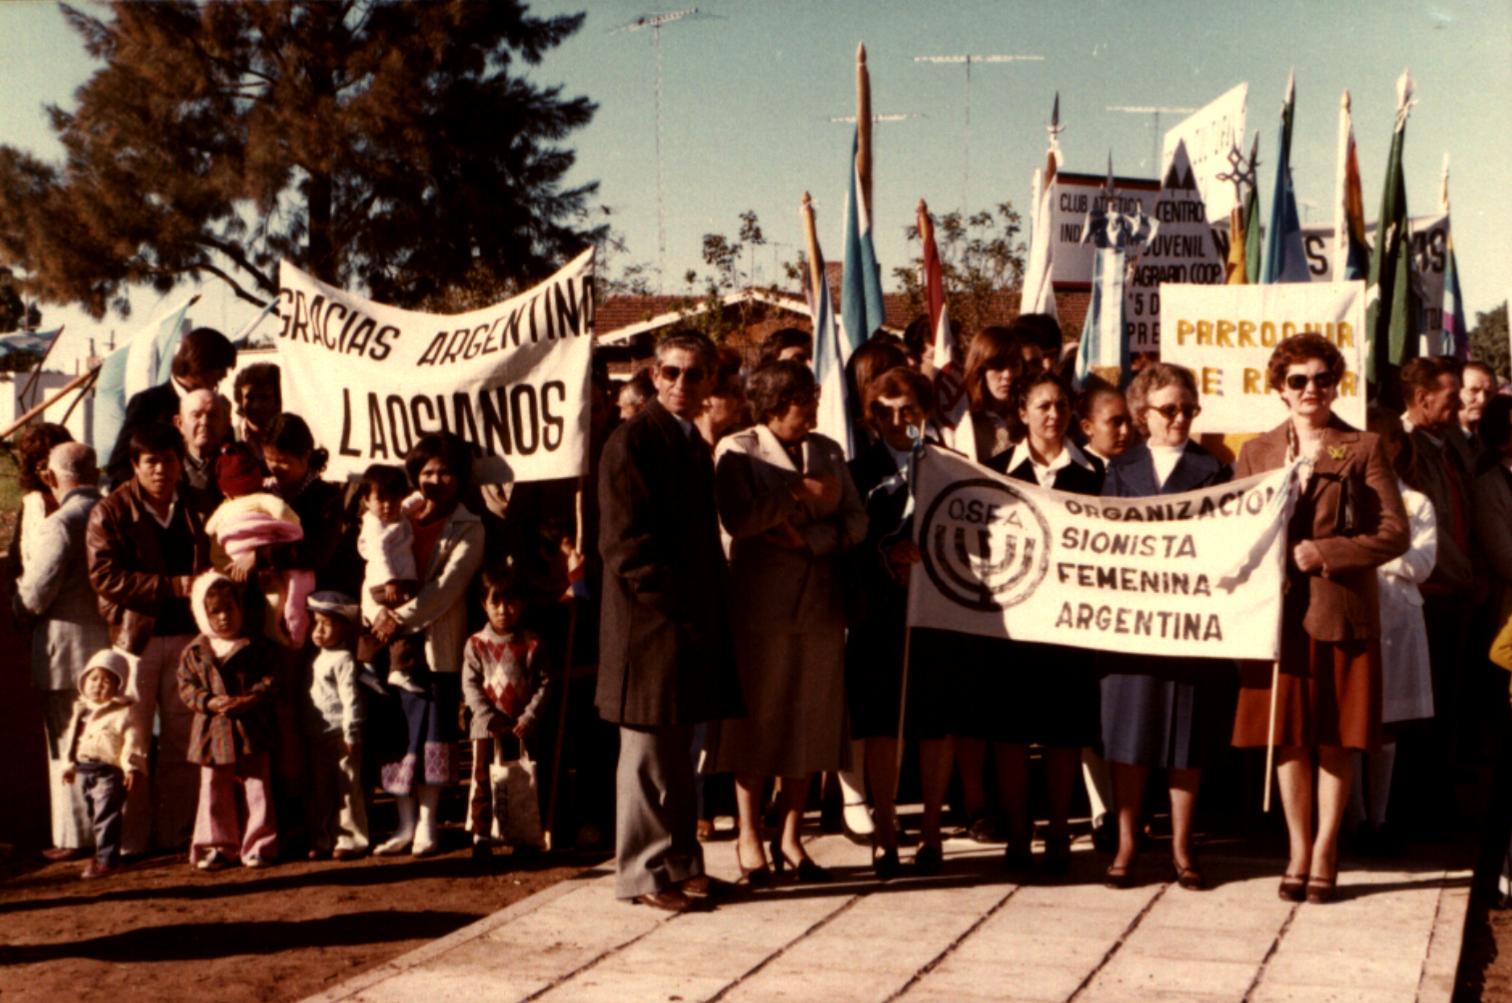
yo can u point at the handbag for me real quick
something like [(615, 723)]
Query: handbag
[(516, 808)]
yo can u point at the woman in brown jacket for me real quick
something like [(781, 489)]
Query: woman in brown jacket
[(1348, 519)]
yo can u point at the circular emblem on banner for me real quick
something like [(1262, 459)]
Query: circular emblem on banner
[(985, 546)]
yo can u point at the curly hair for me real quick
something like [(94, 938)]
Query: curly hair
[(1026, 384), (1298, 349), (32, 449), (1156, 376)]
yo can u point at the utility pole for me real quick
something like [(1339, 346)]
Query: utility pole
[(656, 22), (966, 59)]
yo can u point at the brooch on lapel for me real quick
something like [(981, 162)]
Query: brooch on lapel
[(1338, 452)]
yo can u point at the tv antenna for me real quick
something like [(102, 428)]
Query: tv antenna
[(656, 22), (1157, 111), (967, 59)]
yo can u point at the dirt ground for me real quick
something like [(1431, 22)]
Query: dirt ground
[(161, 931)]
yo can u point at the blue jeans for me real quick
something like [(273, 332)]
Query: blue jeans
[(104, 790)]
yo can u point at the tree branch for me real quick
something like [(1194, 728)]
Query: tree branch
[(235, 253)]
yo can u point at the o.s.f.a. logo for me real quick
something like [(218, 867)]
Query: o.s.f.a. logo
[(985, 546)]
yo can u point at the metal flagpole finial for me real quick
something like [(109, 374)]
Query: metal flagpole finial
[(1241, 172), (1055, 128)]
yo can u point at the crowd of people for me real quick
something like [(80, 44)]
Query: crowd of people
[(235, 653)]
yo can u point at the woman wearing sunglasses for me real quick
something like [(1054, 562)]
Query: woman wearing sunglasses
[(1348, 519), (1162, 713)]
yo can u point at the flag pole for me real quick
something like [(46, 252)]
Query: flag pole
[(63, 391), (1270, 736), (811, 245), (863, 127), (566, 674), (913, 473), (32, 380)]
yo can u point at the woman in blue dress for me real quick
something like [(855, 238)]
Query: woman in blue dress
[(1160, 712)]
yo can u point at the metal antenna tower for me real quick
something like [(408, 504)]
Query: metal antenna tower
[(966, 60), (656, 22), (1157, 111)]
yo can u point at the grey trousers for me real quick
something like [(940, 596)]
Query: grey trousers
[(656, 812)]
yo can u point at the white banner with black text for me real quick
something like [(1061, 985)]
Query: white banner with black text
[(511, 379), (1197, 574)]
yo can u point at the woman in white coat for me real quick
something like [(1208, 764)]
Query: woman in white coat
[(1406, 684), (788, 504)]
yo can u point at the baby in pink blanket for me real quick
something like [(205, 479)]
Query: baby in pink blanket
[(251, 531)]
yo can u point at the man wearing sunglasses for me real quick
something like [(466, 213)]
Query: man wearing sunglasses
[(665, 658)]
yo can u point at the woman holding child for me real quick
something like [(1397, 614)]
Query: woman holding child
[(448, 551)]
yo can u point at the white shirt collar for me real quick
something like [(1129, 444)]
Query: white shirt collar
[(164, 520), (1045, 473)]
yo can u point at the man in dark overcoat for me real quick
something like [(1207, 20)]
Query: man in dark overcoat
[(665, 659)]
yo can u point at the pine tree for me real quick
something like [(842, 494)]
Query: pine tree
[(395, 146)]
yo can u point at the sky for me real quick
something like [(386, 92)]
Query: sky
[(748, 90)]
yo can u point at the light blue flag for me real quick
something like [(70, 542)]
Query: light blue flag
[(831, 352), (1285, 257), (35, 342), (861, 290), (145, 360)]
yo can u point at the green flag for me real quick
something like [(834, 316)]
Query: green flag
[(1253, 247), (1391, 302)]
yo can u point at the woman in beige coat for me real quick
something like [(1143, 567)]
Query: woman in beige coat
[(788, 504)]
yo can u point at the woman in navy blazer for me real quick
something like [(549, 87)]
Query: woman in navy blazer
[(1050, 695), (1162, 713)]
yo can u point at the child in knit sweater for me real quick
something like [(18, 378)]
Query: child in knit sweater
[(105, 754), (504, 680), (336, 814)]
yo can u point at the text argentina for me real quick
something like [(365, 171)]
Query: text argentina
[(1163, 623)]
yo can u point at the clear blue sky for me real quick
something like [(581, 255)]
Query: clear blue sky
[(748, 94)]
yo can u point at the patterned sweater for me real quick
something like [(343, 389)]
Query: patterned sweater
[(503, 675)]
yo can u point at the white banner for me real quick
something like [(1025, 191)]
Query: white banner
[(1430, 257), (512, 379), (1196, 574), (1185, 248), (1210, 133), (1225, 335), (1071, 198)]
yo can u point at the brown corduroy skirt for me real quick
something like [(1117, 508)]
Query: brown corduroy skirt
[(1329, 694)]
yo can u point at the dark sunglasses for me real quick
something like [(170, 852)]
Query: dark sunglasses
[(1170, 411), (1299, 381), (694, 374)]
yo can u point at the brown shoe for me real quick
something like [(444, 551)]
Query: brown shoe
[(97, 870), (705, 887), (670, 899), (62, 854)]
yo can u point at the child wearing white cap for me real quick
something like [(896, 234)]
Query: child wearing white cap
[(105, 754), (336, 814)]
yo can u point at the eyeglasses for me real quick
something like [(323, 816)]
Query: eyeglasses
[(694, 374), (1299, 381), (1170, 411)]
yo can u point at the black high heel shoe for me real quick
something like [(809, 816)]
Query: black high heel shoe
[(886, 864), (754, 877), (804, 869)]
